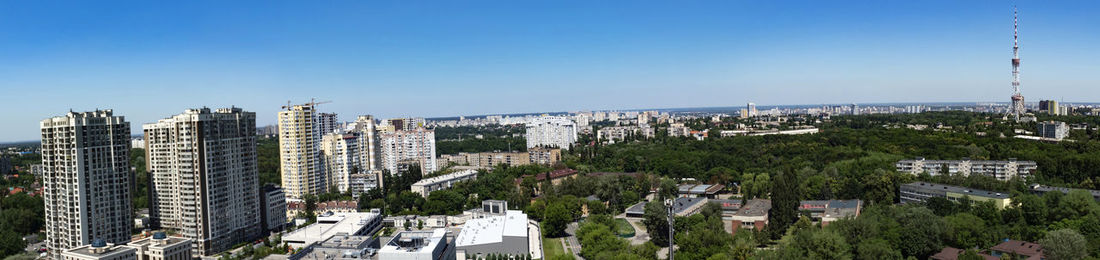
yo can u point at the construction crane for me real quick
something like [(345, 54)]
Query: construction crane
[(312, 102)]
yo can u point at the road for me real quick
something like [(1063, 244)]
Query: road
[(571, 242)]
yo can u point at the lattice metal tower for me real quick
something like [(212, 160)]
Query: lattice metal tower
[(1017, 99)]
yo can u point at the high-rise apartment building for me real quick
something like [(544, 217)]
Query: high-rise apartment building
[(204, 177), (86, 179), (366, 132), (551, 131), (300, 151), (341, 159), (415, 144), (327, 124)]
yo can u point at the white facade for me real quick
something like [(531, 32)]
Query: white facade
[(500, 234), (1054, 130), (366, 132), (300, 152), (551, 131), (418, 245), (205, 177), (161, 247), (274, 208), (416, 144), (99, 251), (427, 186), (86, 179), (341, 159), (1002, 170), (327, 226)]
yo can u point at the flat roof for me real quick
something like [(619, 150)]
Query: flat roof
[(110, 249), (445, 177), (347, 222), (414, 241), (679, 205), (956, 189), (492, 229)]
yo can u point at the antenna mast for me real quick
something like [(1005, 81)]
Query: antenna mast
[(1017, 98)]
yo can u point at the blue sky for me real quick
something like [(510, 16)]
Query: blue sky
[(152, 59)]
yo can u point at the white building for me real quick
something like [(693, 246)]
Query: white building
[(99, 250), (300, 152), (551, 131), (273, 208), (1002, 170), (162, 247), (341, 159), (332, 224), (205, 177), (1053, 130), (86, 179), (427, 186), (416, 144), (137, 143), (616, 134), (496, 234), (418, 245), (366, 132)]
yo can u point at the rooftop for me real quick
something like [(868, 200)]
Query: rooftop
[(348, 223), (755, 208), (414, 242), (1033, 250), (700, 188), (492, 229), (956, 189), (446, 177)]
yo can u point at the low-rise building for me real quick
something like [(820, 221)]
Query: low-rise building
[(699, 190), (419, 245), (333, 224), (1039, 189), (1053, 130), (427, 186), (1024, 249), (343, 247), (501, 234), (272, 208), (919, 192), (752, 215), (1002, 170), (162, 247), (100, 250), (681, 207)]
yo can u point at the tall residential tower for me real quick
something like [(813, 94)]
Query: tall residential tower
[(300, 151), (86, 177), (205, 180)]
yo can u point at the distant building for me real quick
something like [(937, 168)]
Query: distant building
[(503, 234), (162, 247), (699, 190), (548, 131), (442, 182), (137, 143), (300, 152), (1049, 107), (419, 245), (335, 224), (919, 192), (273, 208), (86, 180), (414, 144), (1002, 170), (616, 134), (1053, 130), (537, 155), (367, 136), (340, 156), (1038, 189), (5, 165), (544, 156), (752, 215), (326, 123)]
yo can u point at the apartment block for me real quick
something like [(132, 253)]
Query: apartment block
[(1002, 170), (1053, 130), (341, 159), (442, 182), (919, 192), (273, 208), (204, 177), (86, 179), (414, 145), (300, 152), (551, 131), (162, 247)]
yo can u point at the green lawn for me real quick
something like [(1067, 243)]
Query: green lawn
[(552, 247), (623, 228)]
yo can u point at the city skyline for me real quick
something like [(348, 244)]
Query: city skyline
[(393, 60)]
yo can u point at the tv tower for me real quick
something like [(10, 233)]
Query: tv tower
[(1017, 99)]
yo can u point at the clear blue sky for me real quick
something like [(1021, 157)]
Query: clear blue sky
[(152, 59)]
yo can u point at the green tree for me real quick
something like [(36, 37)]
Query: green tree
[(10, 243), (555, 220), (785, 200), (876, 249), (656, 222), (966, 230), (970, 254), (1064, 244), (922, 232)]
